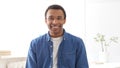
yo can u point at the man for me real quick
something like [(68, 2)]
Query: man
[(57, 48)]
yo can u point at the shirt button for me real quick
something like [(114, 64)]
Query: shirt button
[(51, 56), (50, 67)]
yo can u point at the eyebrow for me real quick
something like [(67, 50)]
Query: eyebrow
[(57, 16)]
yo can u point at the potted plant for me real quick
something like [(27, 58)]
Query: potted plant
[(100, 38)]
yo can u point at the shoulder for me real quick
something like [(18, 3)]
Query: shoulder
[(73, 37), (40, 38), (75, 40)]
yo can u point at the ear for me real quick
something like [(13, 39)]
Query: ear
[(45, 20)]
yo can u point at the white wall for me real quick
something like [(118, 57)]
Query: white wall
[(102, 16)]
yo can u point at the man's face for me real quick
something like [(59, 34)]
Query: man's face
[(55, 20)]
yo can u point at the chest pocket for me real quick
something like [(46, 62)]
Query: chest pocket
[(68, 49), (68, 52)]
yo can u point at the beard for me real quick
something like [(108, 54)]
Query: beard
[(56, 29), (55, 26)]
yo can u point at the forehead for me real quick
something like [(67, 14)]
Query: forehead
[(55, 12)]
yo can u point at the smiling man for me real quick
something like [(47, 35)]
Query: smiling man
[(55, 20), (57, 48)]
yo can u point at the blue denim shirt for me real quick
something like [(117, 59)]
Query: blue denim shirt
[(71, 52)]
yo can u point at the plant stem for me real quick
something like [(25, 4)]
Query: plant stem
[(102, 46)]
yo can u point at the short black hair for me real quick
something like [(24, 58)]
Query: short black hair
[(55, 6)]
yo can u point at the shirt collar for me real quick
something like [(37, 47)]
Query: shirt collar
[(64, 36)]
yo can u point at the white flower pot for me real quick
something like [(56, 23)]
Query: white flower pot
[(102, 57)]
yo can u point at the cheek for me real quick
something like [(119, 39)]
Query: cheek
[(48, 24)]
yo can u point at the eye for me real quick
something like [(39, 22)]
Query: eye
[(50, 18), (59, 18)]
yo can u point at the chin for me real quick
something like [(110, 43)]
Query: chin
[(56, 32)]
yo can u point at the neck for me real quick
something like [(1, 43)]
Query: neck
[(56, 35)]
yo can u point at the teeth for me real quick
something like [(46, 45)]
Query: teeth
[(55, 26)]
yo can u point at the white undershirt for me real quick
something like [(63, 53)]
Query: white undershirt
[(56, 43)]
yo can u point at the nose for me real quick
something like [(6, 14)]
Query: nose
[(55, 21)]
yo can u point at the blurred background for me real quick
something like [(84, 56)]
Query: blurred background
[(23, 20)]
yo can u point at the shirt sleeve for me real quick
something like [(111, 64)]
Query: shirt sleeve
[(81, 56), (31, 58)]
